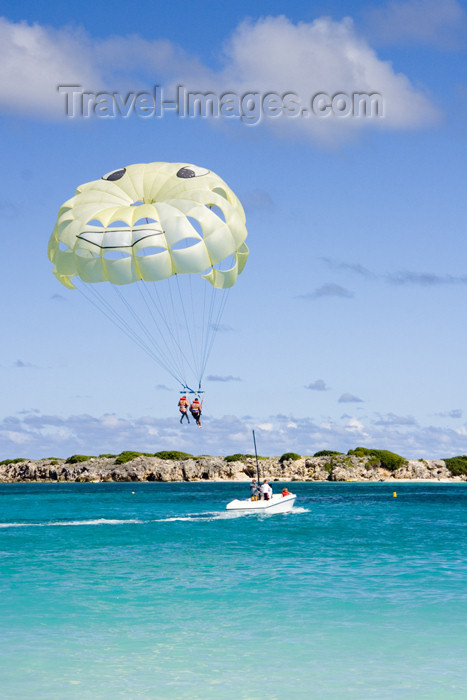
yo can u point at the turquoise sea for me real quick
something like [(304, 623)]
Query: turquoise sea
[(151, 590)]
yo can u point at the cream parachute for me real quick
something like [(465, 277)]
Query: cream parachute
[(145, 244)]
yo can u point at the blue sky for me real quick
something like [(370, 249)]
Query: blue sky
[(347, 326)]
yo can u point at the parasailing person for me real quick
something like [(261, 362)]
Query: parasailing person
[(183, 408), (195, 410)]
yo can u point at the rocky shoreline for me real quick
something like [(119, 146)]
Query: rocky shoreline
[(144, 468)]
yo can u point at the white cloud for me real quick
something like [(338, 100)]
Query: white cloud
[(34, 60), (270, 55), (321, 56), (427, 22), (318, 385), (15, 437), (349, 398), (267, 427), (355, 268), (393, 419), (424, 279), (454, 413), (39, 435), (21, 364), (329, 289), (113, 423), (397, 278), (355, 426)]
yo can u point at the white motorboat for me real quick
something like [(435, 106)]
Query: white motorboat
[(277, 504)]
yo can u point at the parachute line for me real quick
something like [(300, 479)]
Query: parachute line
[(175, 346), (215, 328), (163, 354), (160, 307), (103, 306), (187, 325), (150, 304)]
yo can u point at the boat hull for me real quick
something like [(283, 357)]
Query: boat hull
[(277, 504)]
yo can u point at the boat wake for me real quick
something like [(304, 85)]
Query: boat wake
[(263, 514), (68, 523), (130, 521), (189, 517), (199, 517), (298, 511)]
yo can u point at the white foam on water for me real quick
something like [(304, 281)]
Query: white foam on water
[(191, 517), (226, 515), (174, 519), (67, 523), (198, 517), (297, 511), (101, 521)]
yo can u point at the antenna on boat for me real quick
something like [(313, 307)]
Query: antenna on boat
[(256, 455)]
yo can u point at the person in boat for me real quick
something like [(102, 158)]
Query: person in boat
[(266, 491), (285, 492), (254, 490), (183, 408), (195, 410)]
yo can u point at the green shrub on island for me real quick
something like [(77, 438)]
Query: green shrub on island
[(107, 456), (75, 459), (128, 455), (327, 453), (16, 460), (457, 465), (289, 456), (173, 454), (379, 458)]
